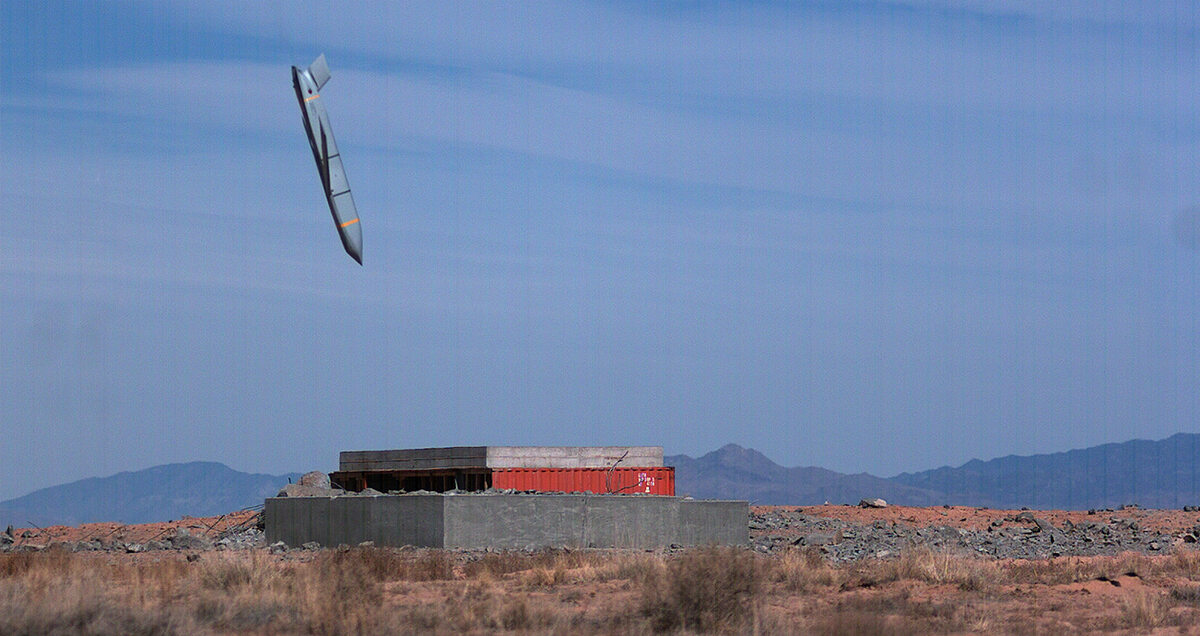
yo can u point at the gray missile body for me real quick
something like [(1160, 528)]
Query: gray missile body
[(307, 83)]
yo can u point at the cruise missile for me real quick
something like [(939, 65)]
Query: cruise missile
[(308, 83)]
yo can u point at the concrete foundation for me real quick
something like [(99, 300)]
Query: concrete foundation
[(517, 521)]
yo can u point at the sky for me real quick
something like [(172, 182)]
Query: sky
[(869, 236)]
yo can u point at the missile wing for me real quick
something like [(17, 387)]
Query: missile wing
[(308, 83)]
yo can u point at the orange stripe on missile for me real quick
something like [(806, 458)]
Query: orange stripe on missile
[(351, 222), (309, 99)]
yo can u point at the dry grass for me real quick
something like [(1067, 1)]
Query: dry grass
[(804, 570), (1186, 594), (969, 573), (707, 590), (704, 590), (1144, 610), (1075, 569), (1182, 564), (861, 623)]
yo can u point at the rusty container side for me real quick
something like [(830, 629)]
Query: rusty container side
[(653, 480)]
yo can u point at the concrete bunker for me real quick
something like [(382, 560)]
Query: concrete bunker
[(506, 497)]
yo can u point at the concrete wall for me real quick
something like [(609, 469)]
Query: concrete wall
[(507, 521), (705, 521), (396, 521), (501, 457)]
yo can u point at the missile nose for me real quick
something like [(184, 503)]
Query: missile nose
[(352, 241)]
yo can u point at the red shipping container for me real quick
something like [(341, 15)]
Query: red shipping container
[(656, 480)]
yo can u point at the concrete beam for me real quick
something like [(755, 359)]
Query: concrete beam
[(574, 456)]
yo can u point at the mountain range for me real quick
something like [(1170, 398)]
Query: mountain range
[(1152, 474), (161, 493)]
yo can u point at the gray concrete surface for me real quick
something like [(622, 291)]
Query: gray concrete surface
[(516, 521), (574, 456), (459, 457)]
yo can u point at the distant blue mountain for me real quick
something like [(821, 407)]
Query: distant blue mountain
[(733, 472), (161, 493), (1152, 474)]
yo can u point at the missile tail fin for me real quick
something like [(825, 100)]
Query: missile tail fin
[(319, 70)]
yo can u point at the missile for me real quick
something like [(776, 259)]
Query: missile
[(308, 83)]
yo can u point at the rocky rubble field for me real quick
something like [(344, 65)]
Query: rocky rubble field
[(839, 533), (847, 533)]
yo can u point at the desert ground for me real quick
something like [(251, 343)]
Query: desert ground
[(813, 569)]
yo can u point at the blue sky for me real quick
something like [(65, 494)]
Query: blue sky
[(876, 236)]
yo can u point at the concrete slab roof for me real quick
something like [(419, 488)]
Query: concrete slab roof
[(465, 457)]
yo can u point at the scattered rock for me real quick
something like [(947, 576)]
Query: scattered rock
[(845, 541), (134, 548), (818, 538), (311, 545), (872, 503), (277, 547), (367, 544), (316, 479), (6, 539), (183, 539)]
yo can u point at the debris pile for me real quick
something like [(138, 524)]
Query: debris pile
[(241, 530), (312, 484), (1024, 535)]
